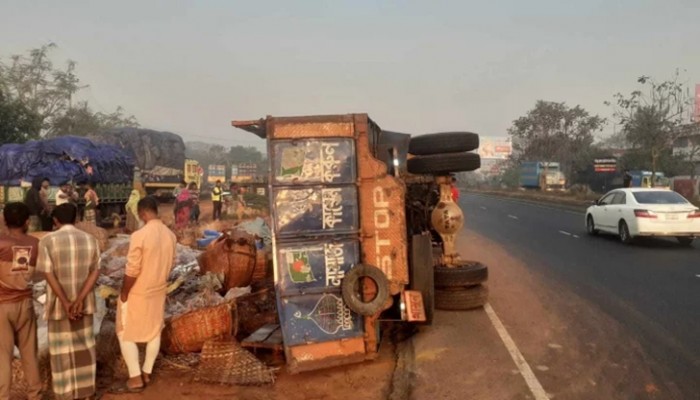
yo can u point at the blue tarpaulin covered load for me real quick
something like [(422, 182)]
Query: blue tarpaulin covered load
[(63, 159)]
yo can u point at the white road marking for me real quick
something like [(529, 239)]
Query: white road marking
[(483, 208), (512, 216), (576, 236), (565, 233), (697, 276), (530, 379), (530, 203)]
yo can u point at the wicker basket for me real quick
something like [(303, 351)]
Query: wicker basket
[(100, 234), (187, 333), (234, 257), (225, 361)]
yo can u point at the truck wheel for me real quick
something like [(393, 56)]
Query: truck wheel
[(440, 164), (469, 273), (444, 142), (352, 291), (461, 299)]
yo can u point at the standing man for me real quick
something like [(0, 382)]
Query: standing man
[(70, 259), (91, 203), (216, 194), (141, 306), (33, 200), (17, 320), (66, 194), (627, 179)]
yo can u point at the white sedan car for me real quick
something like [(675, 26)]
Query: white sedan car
[(634, 212)]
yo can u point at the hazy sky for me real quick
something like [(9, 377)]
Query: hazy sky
[(414, 66)]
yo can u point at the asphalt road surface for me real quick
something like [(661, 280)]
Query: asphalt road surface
[(652, 287)]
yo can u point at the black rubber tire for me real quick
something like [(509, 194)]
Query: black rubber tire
[(470, 273), (463, 299), (351, 292), (443, 142), (590, 226), (441, 164), (685, 241), (624, 233)]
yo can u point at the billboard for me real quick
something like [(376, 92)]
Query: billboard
[(498, 147)]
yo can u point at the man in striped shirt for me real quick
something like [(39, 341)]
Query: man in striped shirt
[(70, 258)]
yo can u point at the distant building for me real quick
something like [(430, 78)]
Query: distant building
[(687, 144)]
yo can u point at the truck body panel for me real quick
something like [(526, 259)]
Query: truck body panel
[(323, 172)]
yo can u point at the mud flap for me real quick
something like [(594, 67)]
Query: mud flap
[(421, 272)]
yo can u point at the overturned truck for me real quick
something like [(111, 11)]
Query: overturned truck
[(364, 227)]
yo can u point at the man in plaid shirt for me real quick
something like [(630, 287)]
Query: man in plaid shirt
[(70, 260)]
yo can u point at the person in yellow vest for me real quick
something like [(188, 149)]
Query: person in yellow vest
[(132, 216), (216, 194)]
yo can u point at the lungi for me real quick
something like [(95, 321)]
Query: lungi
[(73, 359), (90, 216)]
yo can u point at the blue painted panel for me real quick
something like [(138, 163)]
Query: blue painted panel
[(313, 210), (314, 161), (317, 318), (315, 266)]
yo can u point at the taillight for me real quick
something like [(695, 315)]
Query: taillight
[(644, 214), (694, 214)]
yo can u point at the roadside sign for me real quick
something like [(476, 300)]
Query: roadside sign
[(605, 165)]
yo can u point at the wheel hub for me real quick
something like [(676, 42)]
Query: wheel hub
[(447, 219)]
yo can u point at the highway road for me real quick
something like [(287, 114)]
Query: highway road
[(652, 287)]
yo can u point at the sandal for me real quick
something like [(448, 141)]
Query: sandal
[(146, 378), (123, 388)]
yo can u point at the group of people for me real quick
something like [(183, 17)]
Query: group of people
[(187, 209), (186, 205), (68, 259), (37, 199)]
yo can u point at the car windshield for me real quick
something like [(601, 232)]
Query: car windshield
[(659, 198)]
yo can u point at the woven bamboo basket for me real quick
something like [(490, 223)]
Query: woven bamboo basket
[(187, 333), (100, 234), (225, 361), (232, 256)]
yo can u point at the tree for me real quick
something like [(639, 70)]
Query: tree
[(49, 93), (652, 119), (82, 121), (17, 122), (553, 131)]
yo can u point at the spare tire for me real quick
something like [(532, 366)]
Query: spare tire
[(443, 142), (444, 163), (461, 299), (470, 273), (351, 289)]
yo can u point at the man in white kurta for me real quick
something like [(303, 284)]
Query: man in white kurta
[(140, 312)]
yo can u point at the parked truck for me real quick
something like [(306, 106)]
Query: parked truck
[(68, 159), (159, 157), (644, 179), (542, 175)]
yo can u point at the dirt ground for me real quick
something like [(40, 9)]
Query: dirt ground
[(369, 380)]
